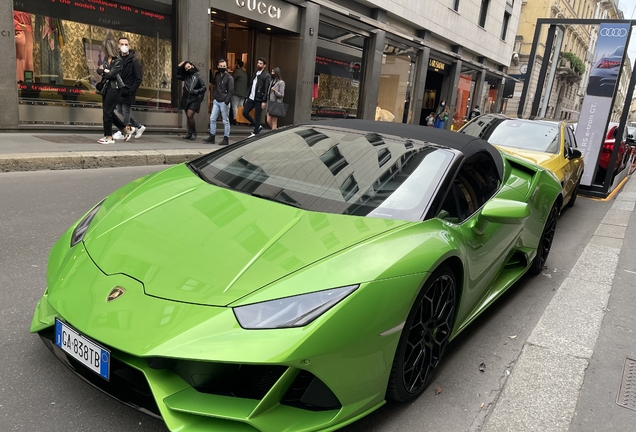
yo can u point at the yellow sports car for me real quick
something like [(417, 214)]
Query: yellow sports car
[(550, 144)]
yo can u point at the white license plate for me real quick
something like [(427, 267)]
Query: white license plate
[(82, 349)]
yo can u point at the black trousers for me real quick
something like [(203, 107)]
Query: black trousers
[(109, 103), (247, 107)]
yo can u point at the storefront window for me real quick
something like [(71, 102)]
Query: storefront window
[(489, 94), (463, 98), (394, 94), (59, 48), (338, 73)]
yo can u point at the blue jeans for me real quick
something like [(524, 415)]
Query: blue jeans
[(224, 110)]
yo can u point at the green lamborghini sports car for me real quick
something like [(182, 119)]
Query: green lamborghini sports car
[(296, 280)]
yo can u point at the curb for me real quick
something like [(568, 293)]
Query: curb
[(94, 159)]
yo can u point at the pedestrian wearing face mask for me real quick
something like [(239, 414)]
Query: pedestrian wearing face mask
[(223, 91), (257, 99), (131, 74), (275, 102), (441, 115), (193, 90)]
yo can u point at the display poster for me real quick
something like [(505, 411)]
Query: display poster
[(597, 104)]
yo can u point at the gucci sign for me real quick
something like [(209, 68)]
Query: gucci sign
[(260, 7)]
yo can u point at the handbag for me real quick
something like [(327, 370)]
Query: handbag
[(277, 109), (99, 86)]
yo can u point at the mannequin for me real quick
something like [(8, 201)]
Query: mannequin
[(23, 43)]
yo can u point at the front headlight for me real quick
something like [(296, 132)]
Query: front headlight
[(288, 312), (82, 227)]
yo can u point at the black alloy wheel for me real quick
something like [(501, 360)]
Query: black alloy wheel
[(545, 243), (424, 337)]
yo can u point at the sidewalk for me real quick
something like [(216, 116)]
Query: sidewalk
[(42, 150), (577, 369)]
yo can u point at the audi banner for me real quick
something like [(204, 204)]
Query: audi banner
[(597, 104)]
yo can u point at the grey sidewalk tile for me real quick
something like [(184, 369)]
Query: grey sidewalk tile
[(610, 231), (596, 264), (626, 196), (609, 242), (154, 157), (617, 217), (541, 393), (571, 323), (623, 205)]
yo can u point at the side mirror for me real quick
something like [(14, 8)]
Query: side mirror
[(501, 211), (575, 154)]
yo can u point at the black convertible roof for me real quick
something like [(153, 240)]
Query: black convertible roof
[(466, 144)]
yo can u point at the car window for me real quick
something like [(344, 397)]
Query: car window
[(567, 140), (326, 169), (515, 133), (476, 182), (571, 137)]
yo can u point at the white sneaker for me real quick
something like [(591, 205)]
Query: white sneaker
[(106, 140), (252, 135), (129, 133), (118, 136), (140, 131)]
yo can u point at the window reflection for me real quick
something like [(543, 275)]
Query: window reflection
[(344, 172)]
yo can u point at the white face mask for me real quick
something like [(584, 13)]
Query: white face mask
[(124, 49)]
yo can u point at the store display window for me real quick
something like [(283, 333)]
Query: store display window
[(394, 93), (59, 48), (338, 74), (463, 97), (489, 94)]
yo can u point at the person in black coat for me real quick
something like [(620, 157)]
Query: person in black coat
[(131, 75), (194, 88), (258, 94), (112, 85)]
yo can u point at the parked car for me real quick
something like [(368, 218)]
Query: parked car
[(604, 74), (624, 151), (297, 279), (550, 144)]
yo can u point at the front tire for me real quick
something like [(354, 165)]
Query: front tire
[(425, 336), (545, 243)]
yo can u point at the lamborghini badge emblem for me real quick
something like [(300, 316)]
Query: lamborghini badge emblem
[(115, 293)]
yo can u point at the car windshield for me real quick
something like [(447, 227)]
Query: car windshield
[(332, 170), (515, 133)]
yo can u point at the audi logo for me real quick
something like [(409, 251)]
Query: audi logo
[(613, 32)]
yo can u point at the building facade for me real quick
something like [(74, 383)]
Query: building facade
[(347, 59)]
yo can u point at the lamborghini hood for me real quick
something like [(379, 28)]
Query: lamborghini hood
[(189, 241)]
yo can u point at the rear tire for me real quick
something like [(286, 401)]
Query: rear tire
[(425, 336), (545, 243)]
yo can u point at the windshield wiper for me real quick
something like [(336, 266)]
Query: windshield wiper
[(271, 198), (195, 169)]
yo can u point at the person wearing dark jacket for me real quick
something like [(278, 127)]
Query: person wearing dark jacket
[(112, 84), (258, 94), (131, 75), (193, 90), (223, 91), (240, 87), (474, 113)]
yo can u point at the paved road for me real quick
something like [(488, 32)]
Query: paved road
[(38, 393)]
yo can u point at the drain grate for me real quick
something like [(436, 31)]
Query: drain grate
[(627, 392)]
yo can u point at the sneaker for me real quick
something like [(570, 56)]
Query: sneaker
[(252, 135), (106, 140), (129, 133), (260, 128), (140, 131), (118, 136)]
